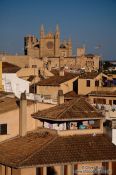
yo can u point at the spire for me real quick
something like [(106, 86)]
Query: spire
[(57, 28), (42, 31), (57, 31), (70, 40), (42, 28)]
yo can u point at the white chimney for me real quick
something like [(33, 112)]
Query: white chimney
[(60, 97), (23, 115)]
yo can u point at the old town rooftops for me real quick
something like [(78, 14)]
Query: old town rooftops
[(93, 75), (74, 110), (89, 75), (16, 151), (8, 102), (40, 149), (71, 94), (3, 94), (9, 68), (57, 80), (102, 93)]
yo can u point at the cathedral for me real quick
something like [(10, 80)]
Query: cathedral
[(49, 45)]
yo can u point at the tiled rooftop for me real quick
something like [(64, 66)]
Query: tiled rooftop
[(9, 68), (71, 94), (16, 151), (74, 110), (89, 75), (56, 80), (36, 149)]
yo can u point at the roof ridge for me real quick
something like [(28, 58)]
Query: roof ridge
[(91, 106), (70, 106), (35, 151)]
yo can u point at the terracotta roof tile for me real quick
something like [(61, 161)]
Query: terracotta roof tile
[(89, 75), (38, 149), (3, 93), (73, 110), (56, 80), (15, 151), (72, 149), (71, 94), (9, 68)]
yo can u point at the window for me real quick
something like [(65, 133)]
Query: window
[(88, 83), (97, 83), (3, 129), (114, 102)]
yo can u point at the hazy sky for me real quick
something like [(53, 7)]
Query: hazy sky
[(89, 22)]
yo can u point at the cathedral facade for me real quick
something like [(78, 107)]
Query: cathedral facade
[(49, 45)]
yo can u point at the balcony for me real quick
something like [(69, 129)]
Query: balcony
[(76, 127)]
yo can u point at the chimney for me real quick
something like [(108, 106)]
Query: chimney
[(23, 115), (61, 72), (60, 97)]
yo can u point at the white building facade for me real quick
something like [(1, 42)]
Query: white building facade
[(14, 84)]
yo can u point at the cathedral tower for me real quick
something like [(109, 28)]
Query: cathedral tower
[(42, 31), (42, 35), (70, 47), (57, 41)]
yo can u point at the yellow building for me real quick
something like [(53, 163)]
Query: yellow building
[(9, 115), (93, 81), (62, 81)]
